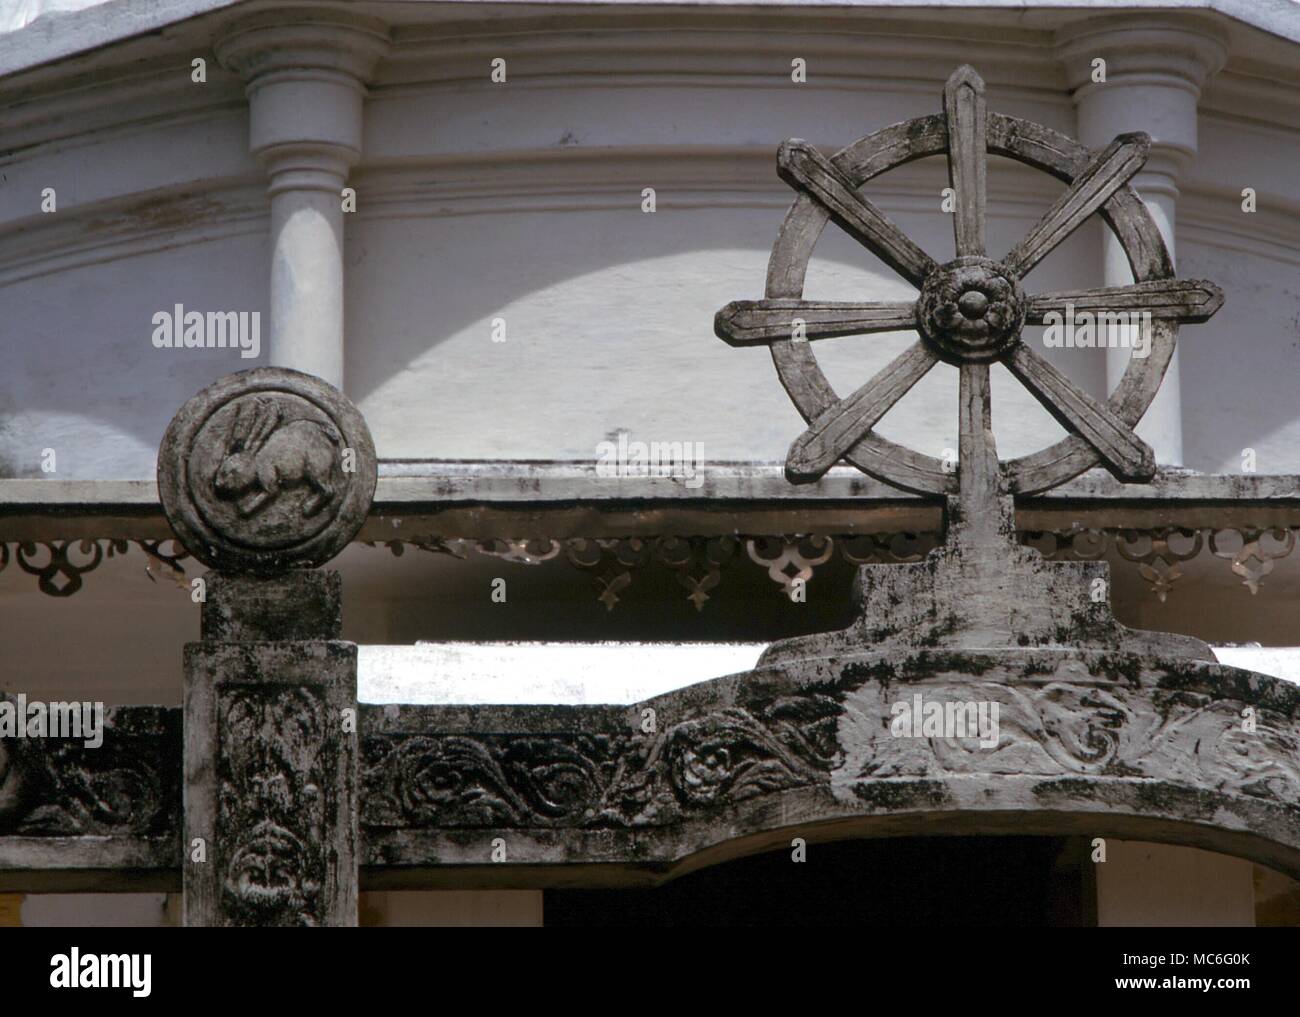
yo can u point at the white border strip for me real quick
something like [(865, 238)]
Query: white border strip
[(578, 674)]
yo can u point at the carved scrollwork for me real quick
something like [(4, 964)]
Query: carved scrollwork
[(458, 781), (1124, 728), (609, 779), (273, 793), (130, 784)]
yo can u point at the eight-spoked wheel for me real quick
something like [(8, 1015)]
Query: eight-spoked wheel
[(971, 310)]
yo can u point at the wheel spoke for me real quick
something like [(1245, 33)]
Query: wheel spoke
[(845, 423), (804, 168), (747, 322), (978, 469), (1187, 300), (1124, 453), (963, 106), (1109, 170)]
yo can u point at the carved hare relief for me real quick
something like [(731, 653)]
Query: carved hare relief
[(265, 455)]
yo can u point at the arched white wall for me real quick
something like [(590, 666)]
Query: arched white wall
[(522, 201)]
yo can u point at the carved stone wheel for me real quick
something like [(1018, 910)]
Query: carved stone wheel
[(971, 310)]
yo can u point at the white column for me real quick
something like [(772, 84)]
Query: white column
[(306, 71), (1154, 69)]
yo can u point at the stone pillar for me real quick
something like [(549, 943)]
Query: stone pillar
[(1155, 66), (306, 71), (264, 475), (271, 755)]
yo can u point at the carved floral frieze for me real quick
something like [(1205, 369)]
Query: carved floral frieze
[(129, 785)]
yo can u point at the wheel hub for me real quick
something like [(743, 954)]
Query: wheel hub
[(971, 310)]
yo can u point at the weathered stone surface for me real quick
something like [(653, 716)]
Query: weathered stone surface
[(1092, 727), (270, 756), (266, 470), (1094, 743), (1091, 743), (75, 817), (986, 596), (270, 783), (971, 310), (239, 609)]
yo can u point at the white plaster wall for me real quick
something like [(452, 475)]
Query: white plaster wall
[(156, 203), (522, 201), (83, 376)]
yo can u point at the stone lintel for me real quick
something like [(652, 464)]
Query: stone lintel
[(1089, 743)]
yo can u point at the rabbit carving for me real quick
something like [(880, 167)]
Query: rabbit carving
[(264, 455)]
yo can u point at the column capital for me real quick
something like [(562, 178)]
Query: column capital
[(1155, 65), (306, 69), (323, 40), (1168, 50)]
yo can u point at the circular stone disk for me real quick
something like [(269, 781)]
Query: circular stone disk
[(266, 470)]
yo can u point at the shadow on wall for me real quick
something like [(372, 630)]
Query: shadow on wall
[(604, 316), (86, 380)]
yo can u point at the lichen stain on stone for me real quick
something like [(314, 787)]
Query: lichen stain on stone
[(859, 673), (1122, 667), (893, 795), (1222, 683)]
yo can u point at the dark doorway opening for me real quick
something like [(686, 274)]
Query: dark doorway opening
[(913, 881)]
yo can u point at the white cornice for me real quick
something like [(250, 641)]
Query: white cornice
[(320, 39), (1167, 49), (686, 177), (709, 47), (134, 225), (59, 36), (578, 180), (447, 42), (63, 34)]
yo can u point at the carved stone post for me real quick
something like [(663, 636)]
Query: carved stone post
[(262, 475)]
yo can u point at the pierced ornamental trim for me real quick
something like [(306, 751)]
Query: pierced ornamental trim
[(698, 561), (1254, 549), (794, 560), (59, 565), (1158, 563)]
